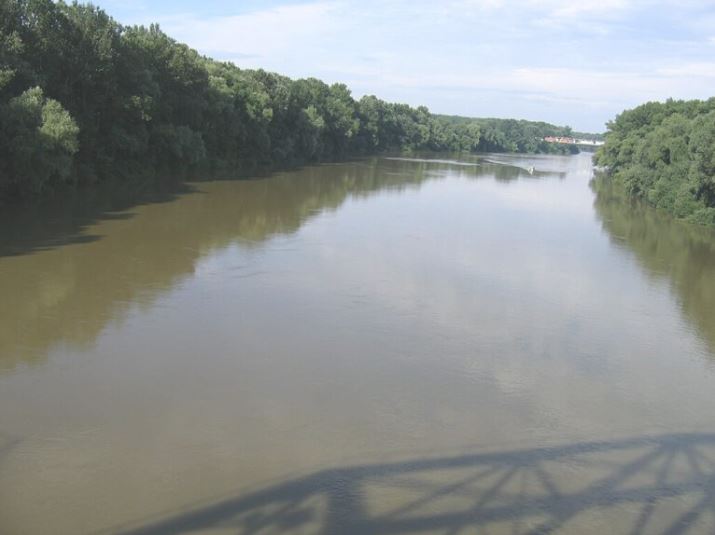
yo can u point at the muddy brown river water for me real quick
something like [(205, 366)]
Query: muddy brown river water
[(390, 345)]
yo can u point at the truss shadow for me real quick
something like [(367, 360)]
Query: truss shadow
[(657, 484)]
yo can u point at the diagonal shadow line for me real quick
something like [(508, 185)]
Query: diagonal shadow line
[(650, 505), (449, 489), (517, 521), (603, 486), (496, 488), (702, 457), (528, 508), (685, 521), (287, 515), (345, 506), (546, 481), (417, 484), (603, 493), (693, 463), (572, 504)]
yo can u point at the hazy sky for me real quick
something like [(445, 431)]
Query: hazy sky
[(568, 62)]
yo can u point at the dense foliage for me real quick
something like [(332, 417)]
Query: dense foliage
[(83, 97), (665, 154), (504, 135)]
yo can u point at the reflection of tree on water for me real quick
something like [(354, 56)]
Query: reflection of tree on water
[(682, 252), (661, 484), (52, 294), (55, 294)]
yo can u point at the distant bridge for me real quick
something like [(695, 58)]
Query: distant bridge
[(565, 140)]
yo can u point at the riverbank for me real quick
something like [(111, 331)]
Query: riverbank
[(73, 112), (664, 154)]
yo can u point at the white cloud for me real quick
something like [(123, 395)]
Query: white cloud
[(471, 5), (569, 9), (699, 70), (557, 60), (576, 86), (258, 34)]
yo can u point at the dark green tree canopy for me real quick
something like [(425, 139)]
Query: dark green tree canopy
[(664, 153), (83, 98)]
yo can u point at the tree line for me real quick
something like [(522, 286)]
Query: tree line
[(83, 98), (664, 153)]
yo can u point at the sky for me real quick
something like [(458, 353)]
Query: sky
[(576, 63)]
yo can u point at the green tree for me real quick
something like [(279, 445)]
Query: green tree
[(41, 138)]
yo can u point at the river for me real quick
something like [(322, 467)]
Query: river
[(432, 344)]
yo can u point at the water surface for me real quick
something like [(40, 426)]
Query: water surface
[(429, 345)]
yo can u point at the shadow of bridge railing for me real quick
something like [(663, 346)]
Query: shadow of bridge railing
[(658, 484)]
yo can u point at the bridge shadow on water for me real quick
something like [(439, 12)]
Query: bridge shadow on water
[(657, 484)]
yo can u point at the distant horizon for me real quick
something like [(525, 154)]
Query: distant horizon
[(575, 63)]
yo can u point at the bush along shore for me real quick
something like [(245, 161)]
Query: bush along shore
[(664, 153), (83, 98)]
